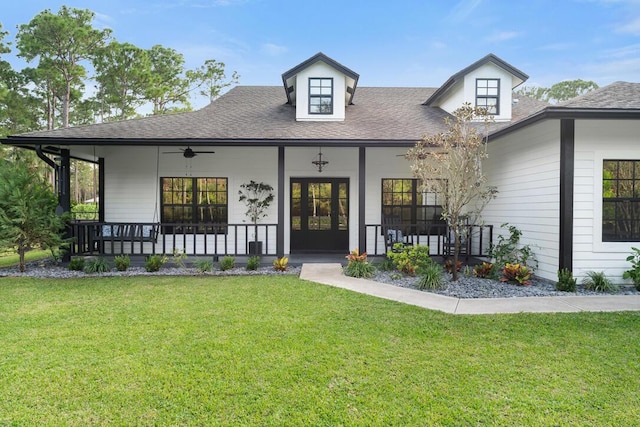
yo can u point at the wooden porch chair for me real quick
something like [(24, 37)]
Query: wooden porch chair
[(394, 232)]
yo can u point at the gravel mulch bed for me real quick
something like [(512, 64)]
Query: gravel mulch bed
[(49, 269), (473, 287), (465, 287)]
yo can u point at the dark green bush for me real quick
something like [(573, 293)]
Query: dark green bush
[(566, 282), (253, 263), (76, 263), (122, 262), (227, 263)]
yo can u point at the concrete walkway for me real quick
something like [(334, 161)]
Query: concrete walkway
[(332, 274)]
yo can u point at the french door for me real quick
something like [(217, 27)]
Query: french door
[(319, 214)]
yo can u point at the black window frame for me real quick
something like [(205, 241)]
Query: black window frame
[(620, 200), (321, 96), (486, 96), (408, 210), (218, 212)]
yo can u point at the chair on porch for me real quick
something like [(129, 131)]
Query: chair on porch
[(394, 232), (449, 244)]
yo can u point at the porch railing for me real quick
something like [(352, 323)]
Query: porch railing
[(113, 238), (477, 243)]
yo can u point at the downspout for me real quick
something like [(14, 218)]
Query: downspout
[(56, 174)]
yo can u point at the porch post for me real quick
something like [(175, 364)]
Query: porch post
[(101, 201), (567, 149), (362, 177), (64, 192), (281, 193)]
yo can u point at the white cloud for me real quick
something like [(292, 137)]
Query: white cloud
[(463, 9), (273, 49), (502, 36), (631, 27)]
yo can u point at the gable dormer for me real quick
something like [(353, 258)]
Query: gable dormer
[(320, 89), (487, 83)]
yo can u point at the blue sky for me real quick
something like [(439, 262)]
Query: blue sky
[(389, 43)]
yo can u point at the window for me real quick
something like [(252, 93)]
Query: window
[(200, 201), (621, 200), (320, 96), (403, 198), (488, 95)]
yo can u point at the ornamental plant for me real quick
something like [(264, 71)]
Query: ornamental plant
[(409, 259), (516, 273), (566, 282), (281, 264), (484, 270), (634, 272), (122, 262), (227, 263), (358, 265), (154, 263)]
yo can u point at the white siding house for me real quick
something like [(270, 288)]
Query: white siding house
[(333, 151)]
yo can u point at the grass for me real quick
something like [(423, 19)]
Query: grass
[(8, 259), (281, 351)]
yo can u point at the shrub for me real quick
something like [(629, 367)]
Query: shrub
[(566, 282), (203, 265), (358, 266), (509, 251), (155, 262), (484, 270), (281, 264), (516, 273), (122, 262), (409, 259), (227, 263), (431, 277), (598, 281), (97, 265), (634, 272), (253, 263), (76, 263)]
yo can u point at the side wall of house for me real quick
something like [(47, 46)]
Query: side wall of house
[(525, 168), (598, 140)]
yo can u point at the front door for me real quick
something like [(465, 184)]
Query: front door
[(319, 215)]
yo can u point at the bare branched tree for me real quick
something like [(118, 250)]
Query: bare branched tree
[(450, 164)]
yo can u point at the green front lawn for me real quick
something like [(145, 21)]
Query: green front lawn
[(282, 351)]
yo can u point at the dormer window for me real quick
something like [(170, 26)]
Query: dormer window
[(488, 95), (320, 96)]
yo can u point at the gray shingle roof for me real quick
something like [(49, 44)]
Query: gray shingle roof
[(261, 113), (618, 95)]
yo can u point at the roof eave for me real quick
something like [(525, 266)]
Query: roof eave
[(570, 113)]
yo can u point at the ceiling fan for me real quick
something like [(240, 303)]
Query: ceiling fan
[(188, 153)]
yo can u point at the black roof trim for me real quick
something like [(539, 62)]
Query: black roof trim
[(31, 141), (570, 113), (316, 58), (460, 74)]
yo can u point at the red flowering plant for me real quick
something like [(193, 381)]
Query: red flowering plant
[(358, 265)]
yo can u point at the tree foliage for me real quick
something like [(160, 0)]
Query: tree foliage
[(62, 41), (450, 164), (561, 91), (27, 210)]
